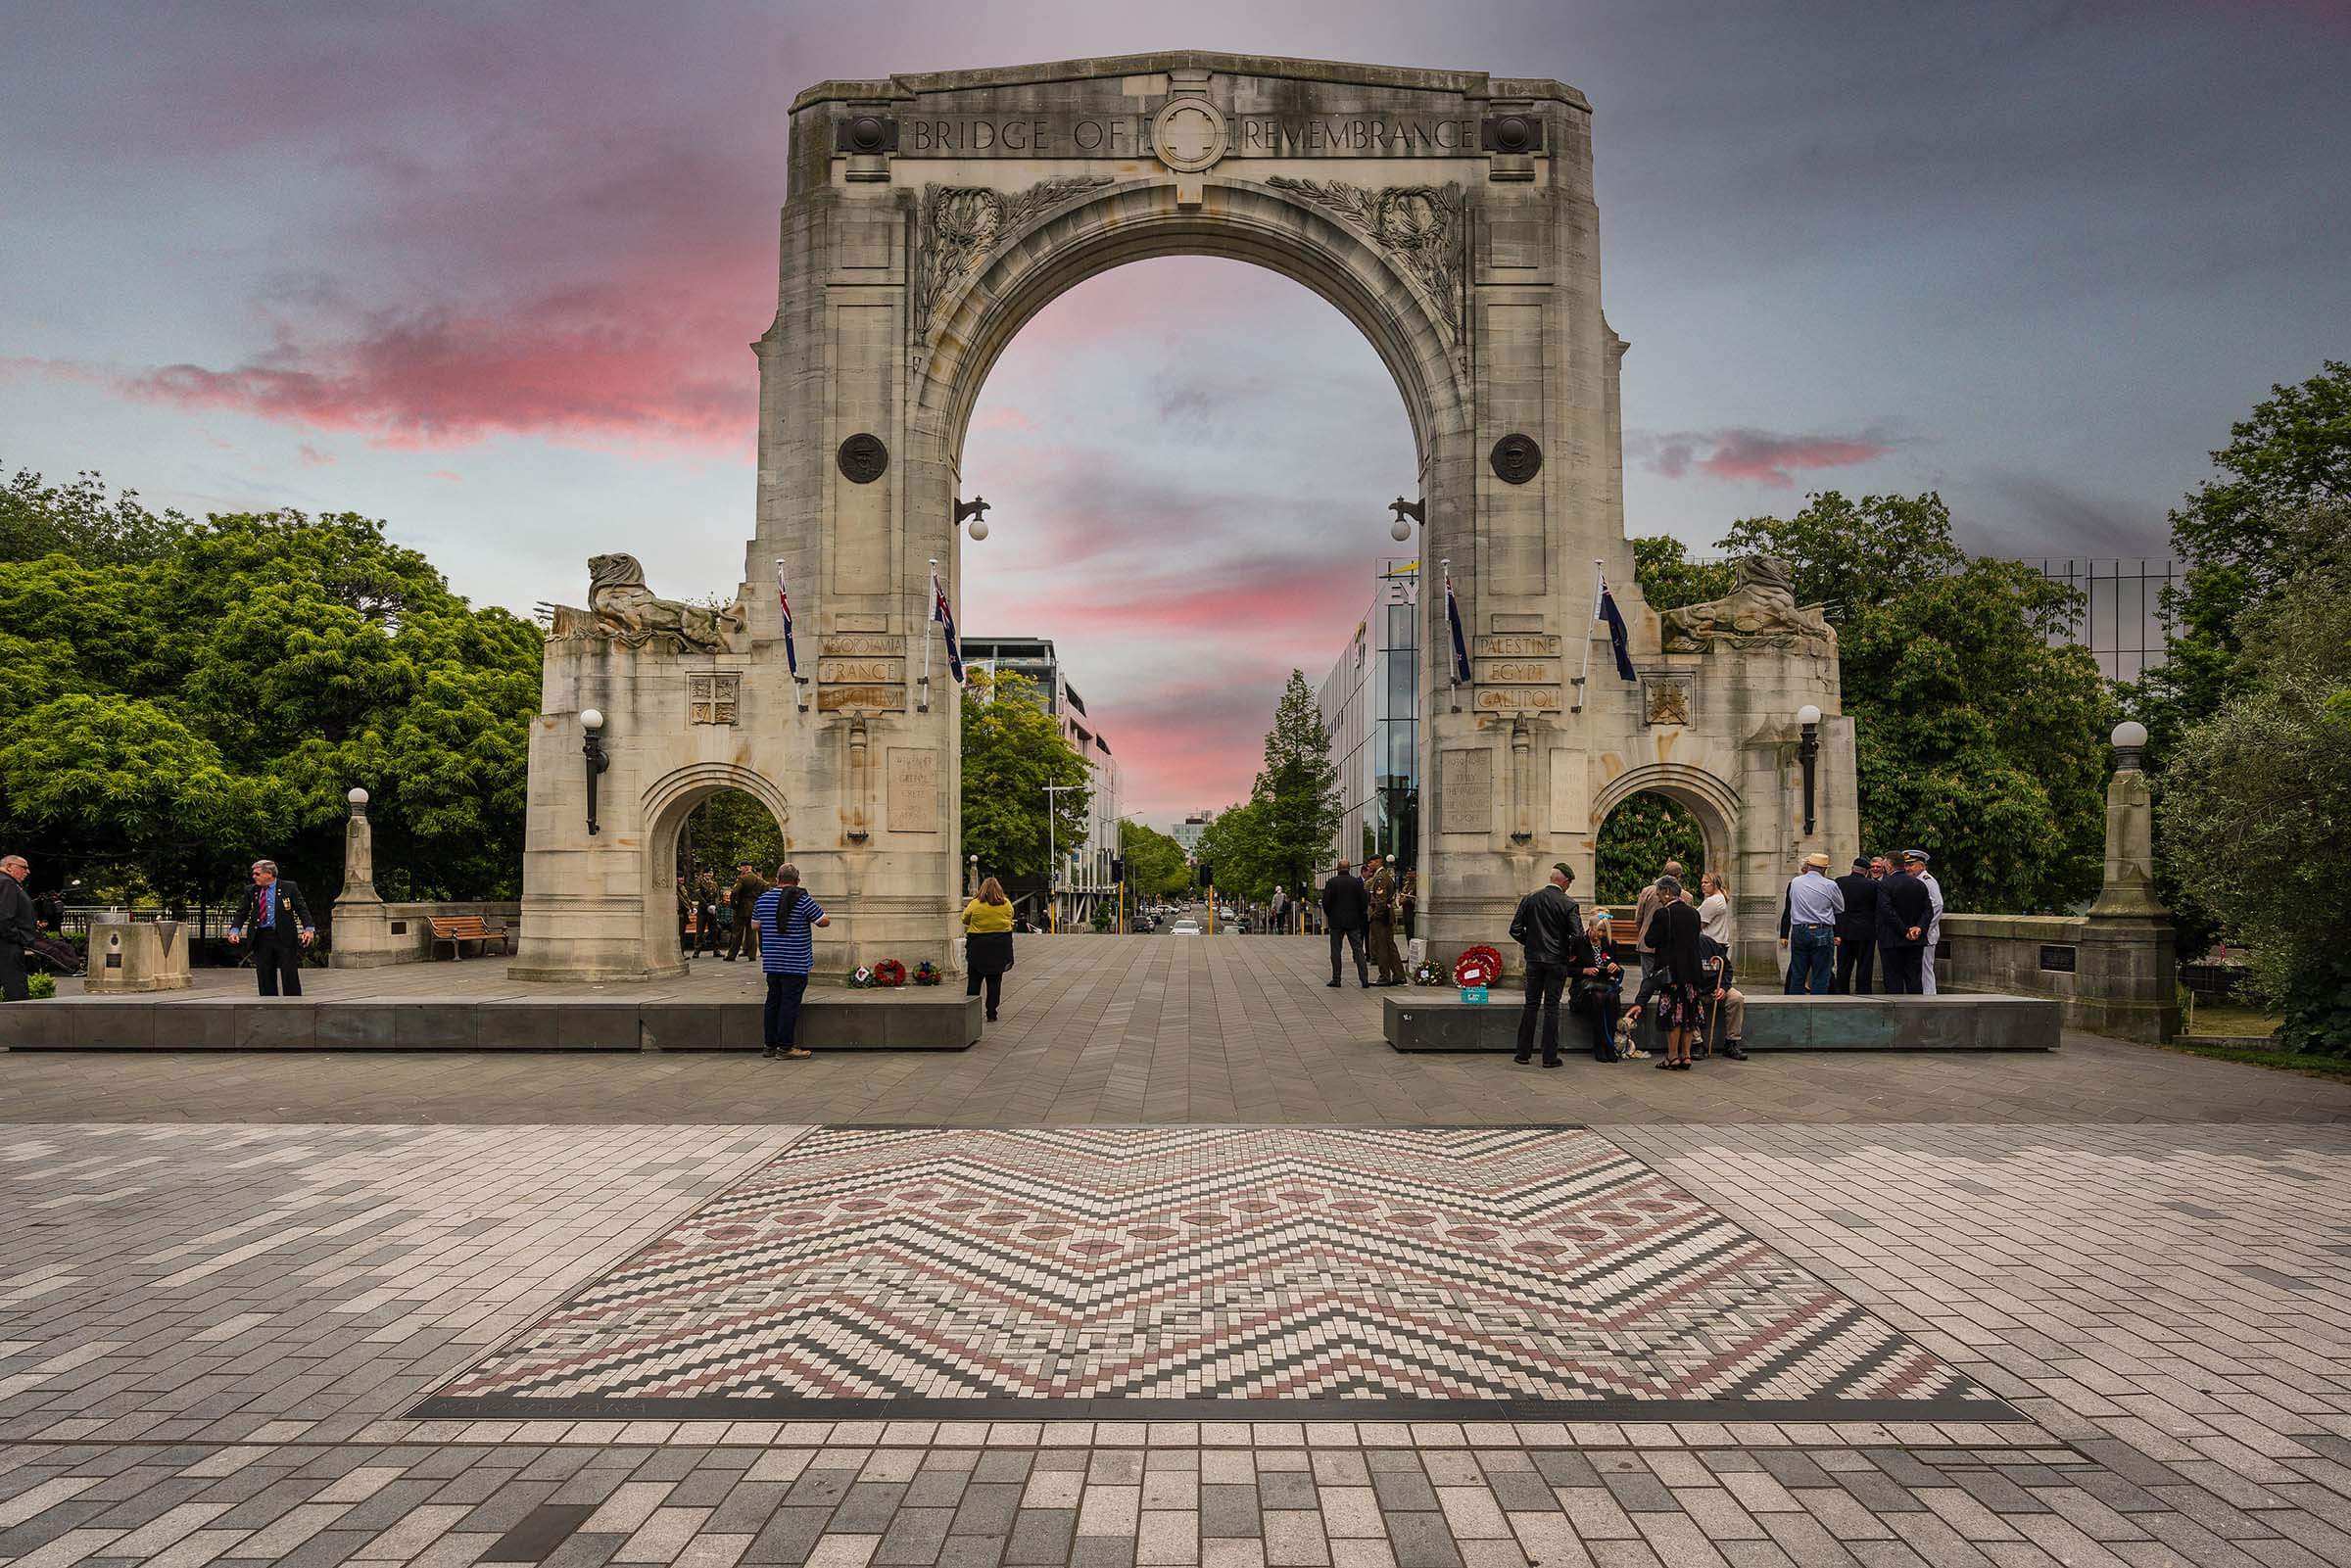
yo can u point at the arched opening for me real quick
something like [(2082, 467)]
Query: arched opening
[(1643, 832), (702, 823), (1190, 462)]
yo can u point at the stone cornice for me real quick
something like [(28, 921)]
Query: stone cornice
[(1476, 84)]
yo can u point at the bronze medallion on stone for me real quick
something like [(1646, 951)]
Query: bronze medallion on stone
[(863, 458), (1518, 459)]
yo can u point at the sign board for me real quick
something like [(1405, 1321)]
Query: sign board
[(874, 698), (1515, 645)]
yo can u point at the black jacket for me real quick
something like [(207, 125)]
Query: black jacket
[(1345, 904), (1549, 926), (18, 923), (289, 902), (1673, 935), (1903, 902), (1859, 921)]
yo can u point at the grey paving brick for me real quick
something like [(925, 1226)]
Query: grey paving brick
[(987, 1508), (914, 1536), (1421, 1541)]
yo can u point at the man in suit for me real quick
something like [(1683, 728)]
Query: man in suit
[(18, 927), (1380, 888), (1856, 929), (1347, 911), (1550, 930), (1904, 912), (1646, 906), (276, 917)]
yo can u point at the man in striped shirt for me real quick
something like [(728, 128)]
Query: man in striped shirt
[(787, 919)]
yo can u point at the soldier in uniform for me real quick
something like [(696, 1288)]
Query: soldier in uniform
[(1382, 890)]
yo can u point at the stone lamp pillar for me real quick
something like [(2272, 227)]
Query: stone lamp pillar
[(2128, 983), (360, 935)]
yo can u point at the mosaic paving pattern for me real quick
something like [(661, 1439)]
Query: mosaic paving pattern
[(921, 1267)]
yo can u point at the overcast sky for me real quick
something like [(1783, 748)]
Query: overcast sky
[(487, 272)]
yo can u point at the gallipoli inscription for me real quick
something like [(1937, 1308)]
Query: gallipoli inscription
[(1519, 699), (1340, 134), (913, 789), (871, 698), (1518, 646), (861, 672)]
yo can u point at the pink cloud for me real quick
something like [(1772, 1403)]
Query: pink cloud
[(1762, 458)]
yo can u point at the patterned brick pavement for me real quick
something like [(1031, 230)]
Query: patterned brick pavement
[(946, 1272)]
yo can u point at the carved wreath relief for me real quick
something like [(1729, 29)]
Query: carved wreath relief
[(962, 223), (1419, 227)]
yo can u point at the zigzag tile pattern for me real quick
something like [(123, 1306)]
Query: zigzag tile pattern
[(1208, 1263)]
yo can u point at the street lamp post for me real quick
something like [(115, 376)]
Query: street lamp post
[(592, 724), (1807, 751)]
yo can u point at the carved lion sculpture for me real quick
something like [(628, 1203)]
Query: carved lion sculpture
[(1761, 606), (621, 607)]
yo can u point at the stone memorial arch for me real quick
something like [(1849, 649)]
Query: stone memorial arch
[(1449, 214)]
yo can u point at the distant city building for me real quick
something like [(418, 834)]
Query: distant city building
[(1370, 704), (1187, 832), (1085, 883)]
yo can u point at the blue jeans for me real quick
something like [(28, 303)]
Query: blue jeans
[(1811, 959), (783, 1017)]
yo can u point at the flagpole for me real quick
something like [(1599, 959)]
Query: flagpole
[(1453, 665), (929, 617), (1599, 585)]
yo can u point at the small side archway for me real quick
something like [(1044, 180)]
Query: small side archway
[(666, 805), (1710, 799)]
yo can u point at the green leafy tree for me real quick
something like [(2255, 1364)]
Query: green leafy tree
[(2256, 796), (1012, 749), (1156, 867), (82, 521), (1640, 836), (731, 828), (1977, 738), (1296, 794), (305, 655), (1240, 848), (1669, 579)]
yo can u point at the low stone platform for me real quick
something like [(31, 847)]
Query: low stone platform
[(471, 1005), (1436, 1019)]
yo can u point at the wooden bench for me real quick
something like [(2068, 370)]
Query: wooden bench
[(459, 930)]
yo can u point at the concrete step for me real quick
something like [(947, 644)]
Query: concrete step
[(1436, 1019)]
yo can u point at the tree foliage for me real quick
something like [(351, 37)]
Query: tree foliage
[(2255, 797), (731, 828), (1669, 579), (1012, 749), (1156, 867), (1642, 833), (1238, 848), (1978, 740), (1296, 794), (177, 698)]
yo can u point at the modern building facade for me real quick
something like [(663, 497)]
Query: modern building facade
[(1371, 713), (1084, 884), (1188, 832)]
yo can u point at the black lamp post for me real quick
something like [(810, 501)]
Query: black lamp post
[(592, 724), (1808, 750)]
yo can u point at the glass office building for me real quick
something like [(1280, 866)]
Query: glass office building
[(1370, 704)]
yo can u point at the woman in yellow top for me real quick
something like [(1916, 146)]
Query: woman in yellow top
[(987, 945)]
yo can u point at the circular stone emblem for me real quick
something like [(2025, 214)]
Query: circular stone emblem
[(1518, 459), (1513, 133), (1188, 134), (863, 458), (867, 133)]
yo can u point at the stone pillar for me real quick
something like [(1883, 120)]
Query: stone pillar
[(360, 932), (2129, 979)]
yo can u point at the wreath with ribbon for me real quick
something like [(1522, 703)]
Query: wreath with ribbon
[(860, 978), (889, 971), (1426, 973), (1477, 966), (926, 973)]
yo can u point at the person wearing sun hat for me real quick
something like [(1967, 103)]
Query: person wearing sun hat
[(1808, 928)]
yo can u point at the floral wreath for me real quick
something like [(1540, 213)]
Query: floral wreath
[(1426, 973), (889, 971), (860, 977), (1477, 966), (926, 973)]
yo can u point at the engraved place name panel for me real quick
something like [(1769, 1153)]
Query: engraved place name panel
[(859, 646), (1330, 133), (868, 698), (1467, 777), (913, 789), (861, 672), (1515, 645), (1518, 672), (1517, 699)]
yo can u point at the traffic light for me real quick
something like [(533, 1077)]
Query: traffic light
[(1208, 875), (1118, 867)]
